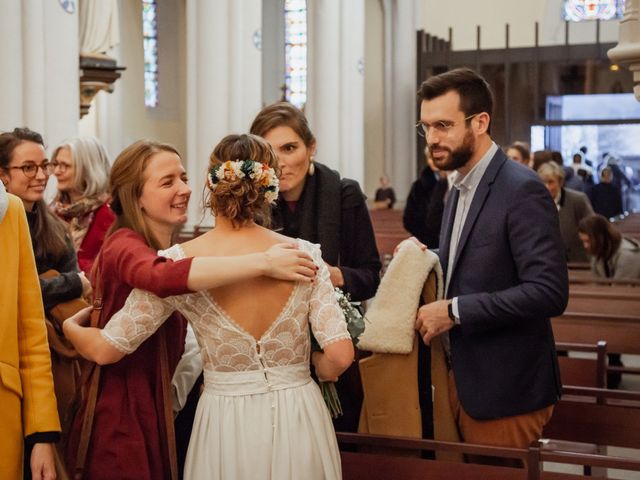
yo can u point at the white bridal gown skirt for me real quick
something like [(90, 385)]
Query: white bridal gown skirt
[(265, 424)]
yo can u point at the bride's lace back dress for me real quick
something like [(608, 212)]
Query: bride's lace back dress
[(260, 415)]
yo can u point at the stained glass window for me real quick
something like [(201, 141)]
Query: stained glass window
[(579, 10), (295, 40), (150, 39)]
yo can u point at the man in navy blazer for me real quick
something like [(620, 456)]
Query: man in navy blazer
[(506, 275)]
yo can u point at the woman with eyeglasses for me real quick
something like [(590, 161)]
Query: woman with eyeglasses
[(81, 166), (24, 171)]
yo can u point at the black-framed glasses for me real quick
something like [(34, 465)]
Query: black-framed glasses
[(441, 126), (62, 166), (30, 170)]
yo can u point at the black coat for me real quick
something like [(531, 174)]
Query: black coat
[(65, 286), (422, 215), (332, 212)]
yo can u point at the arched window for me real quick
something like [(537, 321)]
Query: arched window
[(579, 10), (150, 39), (295, 41)]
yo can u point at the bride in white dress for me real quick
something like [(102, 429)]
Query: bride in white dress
[(260, 416)]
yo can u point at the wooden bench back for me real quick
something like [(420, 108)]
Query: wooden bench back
[(583, 372), (598, 416)]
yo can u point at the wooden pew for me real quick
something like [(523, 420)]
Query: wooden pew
[(555, 451), (388, 229), (579, 276), (380, 457), (602, 312), (604, 299), (596, 416), (375, 457), (583, 372), (621, 332), (587, 278)]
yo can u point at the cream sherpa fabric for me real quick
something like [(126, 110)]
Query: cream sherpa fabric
[(4, 202), (390, 325)]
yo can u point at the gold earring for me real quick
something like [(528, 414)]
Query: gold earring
[(312, 167)]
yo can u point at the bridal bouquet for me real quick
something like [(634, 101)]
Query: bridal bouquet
[(355, 326)]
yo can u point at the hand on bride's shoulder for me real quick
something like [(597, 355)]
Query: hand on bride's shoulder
[(287, 262)]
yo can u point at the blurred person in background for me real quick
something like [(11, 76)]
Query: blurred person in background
[(520, 152), (572, 207), (605, 196), (422, 215), (81, 165)]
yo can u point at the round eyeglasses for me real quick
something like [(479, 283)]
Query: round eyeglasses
[(30, 170), (63, 167), (441, 126)]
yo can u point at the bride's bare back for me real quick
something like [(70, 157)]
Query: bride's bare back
[(253, 304)]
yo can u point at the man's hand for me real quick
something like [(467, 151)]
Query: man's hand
[(422, 246), (433, 319), (43, 466), (337, 280)]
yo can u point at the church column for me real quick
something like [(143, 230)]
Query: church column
[(627, 52), (335, 96), (11, 83), (223, 81), (39, 52), (401, 19)]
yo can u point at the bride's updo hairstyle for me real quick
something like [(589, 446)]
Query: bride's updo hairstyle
[(242, 179)]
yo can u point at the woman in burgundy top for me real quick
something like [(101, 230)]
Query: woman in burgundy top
[(81, 166), (150, 197)]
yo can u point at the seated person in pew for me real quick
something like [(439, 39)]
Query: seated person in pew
[(612, 256), (503, 278)]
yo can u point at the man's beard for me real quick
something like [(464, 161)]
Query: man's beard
[(457, 158)]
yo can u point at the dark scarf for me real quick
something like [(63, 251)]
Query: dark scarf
[(317, 215)]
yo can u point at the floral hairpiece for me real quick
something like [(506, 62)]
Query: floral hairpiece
[(260, 173)]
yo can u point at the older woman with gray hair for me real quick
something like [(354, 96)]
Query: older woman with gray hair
[(82, 166), (572, 206)]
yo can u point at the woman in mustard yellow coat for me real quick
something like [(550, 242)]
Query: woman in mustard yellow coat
[(28, 411)]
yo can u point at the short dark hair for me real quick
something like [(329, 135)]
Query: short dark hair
[(475, 93)]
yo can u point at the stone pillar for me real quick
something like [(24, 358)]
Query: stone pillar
[(627, 52), (335, 95), (223, 82), (401, 18), (39, 55)]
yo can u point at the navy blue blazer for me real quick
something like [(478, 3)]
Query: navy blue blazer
[(510, 277)]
